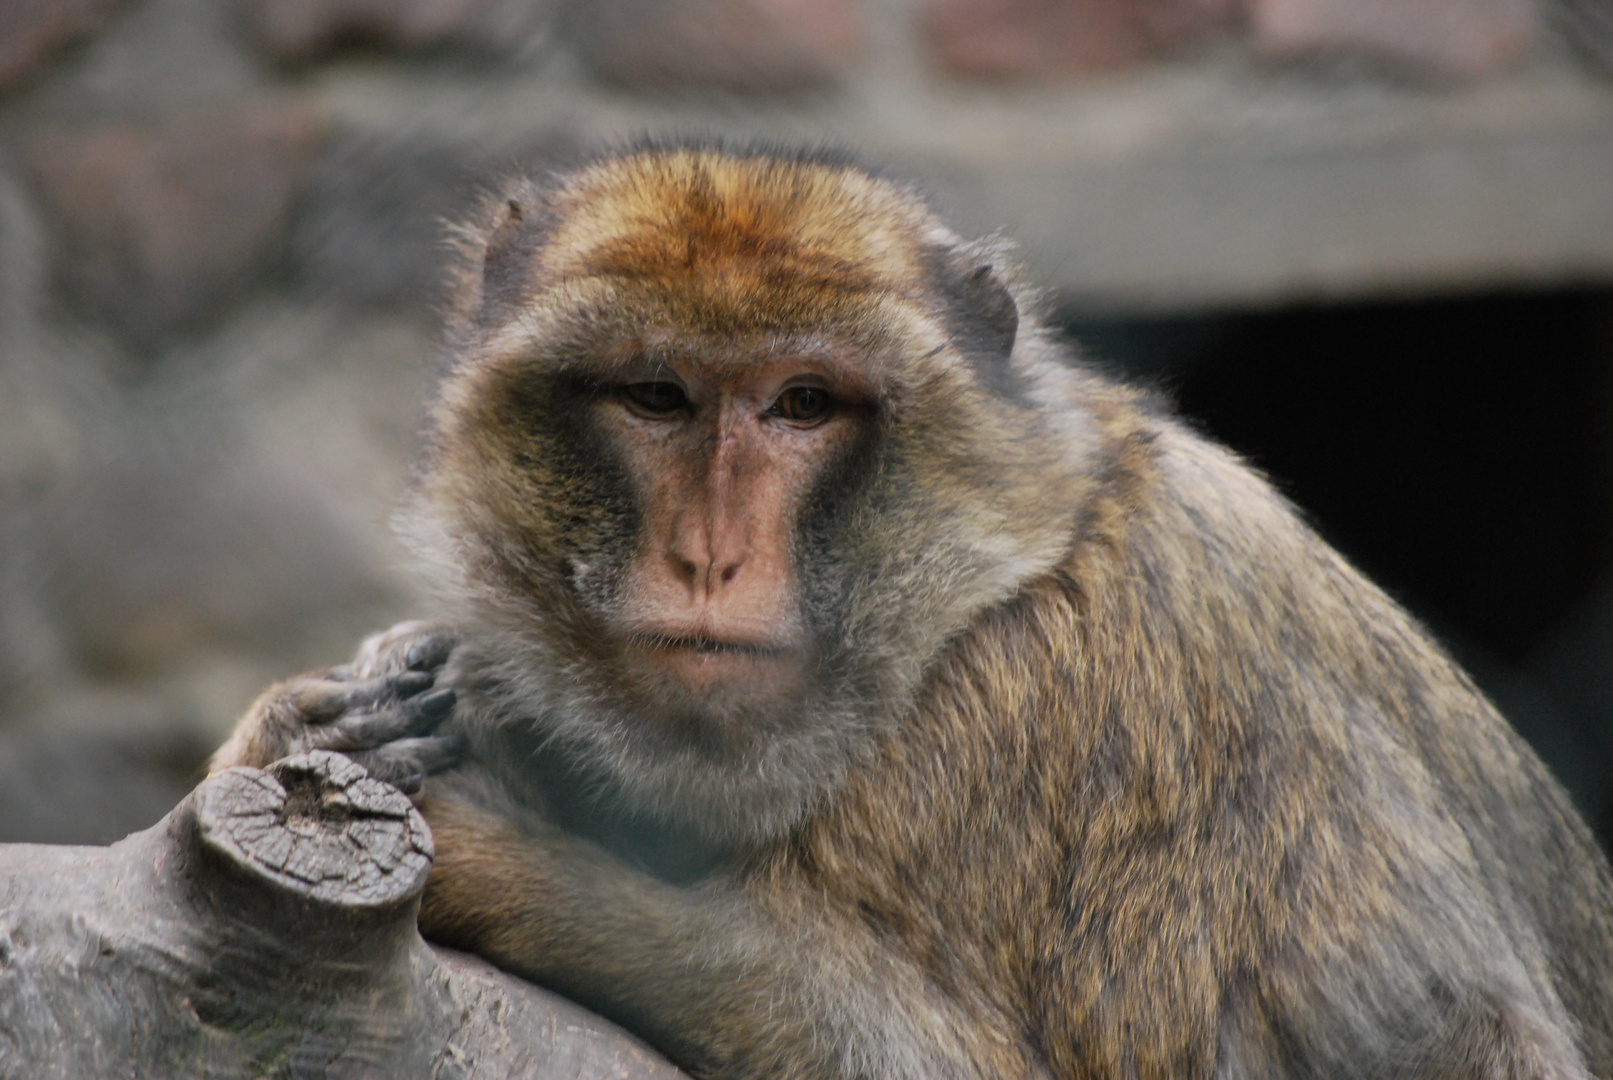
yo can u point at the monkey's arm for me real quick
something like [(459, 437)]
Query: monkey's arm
[(378, 709), (727, 985)]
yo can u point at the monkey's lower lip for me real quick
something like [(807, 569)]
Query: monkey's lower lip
[(706, 665)]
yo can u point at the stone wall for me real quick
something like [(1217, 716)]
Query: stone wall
[(220, 226)]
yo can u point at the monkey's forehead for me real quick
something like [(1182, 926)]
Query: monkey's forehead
[(702, 215)]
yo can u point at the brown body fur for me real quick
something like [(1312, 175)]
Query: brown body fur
[(1127, 774)]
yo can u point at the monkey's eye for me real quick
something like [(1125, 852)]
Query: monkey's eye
[(656, 398), (802, 403)]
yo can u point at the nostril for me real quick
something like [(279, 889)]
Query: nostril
[(730, 573), (686, 569)]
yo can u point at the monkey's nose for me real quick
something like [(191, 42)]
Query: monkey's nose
[(704, 563)]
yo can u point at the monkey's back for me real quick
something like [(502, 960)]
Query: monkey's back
[(1271, 828)]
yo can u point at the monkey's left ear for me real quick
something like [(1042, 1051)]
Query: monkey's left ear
[(993, 305), (982, 318)]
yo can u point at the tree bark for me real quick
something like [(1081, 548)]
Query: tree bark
[(266, 927)]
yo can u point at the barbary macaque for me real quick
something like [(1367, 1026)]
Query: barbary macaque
[(839, 679)]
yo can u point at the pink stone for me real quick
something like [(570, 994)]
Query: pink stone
[(1050, 37), (1444, 37), (756, 45)]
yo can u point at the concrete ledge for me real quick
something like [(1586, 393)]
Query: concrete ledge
[(1213, 183)]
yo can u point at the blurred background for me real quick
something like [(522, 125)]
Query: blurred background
[(1368, 243)]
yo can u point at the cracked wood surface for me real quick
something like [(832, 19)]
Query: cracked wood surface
[(266, 927)]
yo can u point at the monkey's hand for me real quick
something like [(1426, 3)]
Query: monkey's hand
[(380, 710), (731, 981)]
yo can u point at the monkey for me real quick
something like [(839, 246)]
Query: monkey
[(842, 677)]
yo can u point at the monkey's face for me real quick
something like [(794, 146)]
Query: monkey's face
[(661, 512), (729, 450), (706, 616)]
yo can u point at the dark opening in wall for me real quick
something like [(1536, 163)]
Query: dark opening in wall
[(1460, 451)]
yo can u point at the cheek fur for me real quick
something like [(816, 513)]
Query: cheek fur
[(604, 518), (824, 564), (575, 514)]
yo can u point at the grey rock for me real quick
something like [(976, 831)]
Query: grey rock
[(30, 30), (373, 221), (296, 30), (157, 225), (82, 787)]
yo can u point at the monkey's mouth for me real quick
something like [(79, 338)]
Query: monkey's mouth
[(697, 643), (703, 664)]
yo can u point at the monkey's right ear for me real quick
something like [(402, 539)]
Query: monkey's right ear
[(507, 258)]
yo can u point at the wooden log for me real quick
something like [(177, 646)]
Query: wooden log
[(266, 927)]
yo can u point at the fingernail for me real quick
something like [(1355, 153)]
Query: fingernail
[(428, 653), (438, 702)]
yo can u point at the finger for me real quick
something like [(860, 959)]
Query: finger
[(430, 652), (366, 730), (410, 683), (407, 762), (321, 701)]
